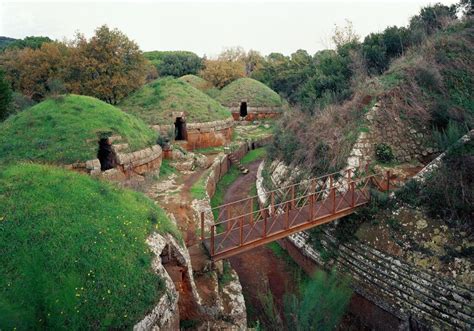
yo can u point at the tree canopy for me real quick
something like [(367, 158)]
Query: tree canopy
[(5, 96), (175, 63), (108, 66)]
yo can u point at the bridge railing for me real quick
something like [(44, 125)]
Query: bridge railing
[(315, 198)]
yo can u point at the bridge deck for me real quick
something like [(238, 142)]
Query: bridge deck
[(243, 233)]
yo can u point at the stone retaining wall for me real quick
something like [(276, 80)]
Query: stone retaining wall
[(394, 285), (203, 135), (256, 113), (128, 164), (406, 142)]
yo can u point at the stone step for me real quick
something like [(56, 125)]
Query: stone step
[(464, 292), (442, 287), (439, 291), (405, 285), (402, 300), (239, 165), (429, 307)]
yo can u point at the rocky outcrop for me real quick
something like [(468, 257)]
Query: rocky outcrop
[(439, 160), (165, 315), (397, 286), (393, 284)]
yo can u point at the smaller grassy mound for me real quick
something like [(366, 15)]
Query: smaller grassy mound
[(73, 251), (156, 102), (66, 130), (256, 93), (196, 82)]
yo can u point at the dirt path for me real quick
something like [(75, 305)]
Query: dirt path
[(259, 270)]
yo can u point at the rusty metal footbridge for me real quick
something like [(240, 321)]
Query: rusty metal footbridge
[(245, 224)]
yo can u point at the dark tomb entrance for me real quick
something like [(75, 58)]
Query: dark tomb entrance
[(180, 129), (243, 109), (106, 155)]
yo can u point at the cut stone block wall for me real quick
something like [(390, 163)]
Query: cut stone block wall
[(128, 164), (203, 135), (406, 142), (256, 113), (391, 283)]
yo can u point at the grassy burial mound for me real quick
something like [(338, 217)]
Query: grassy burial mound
[(156, 102), (73, 251), (254, 92), (196, 82), (66, 129)]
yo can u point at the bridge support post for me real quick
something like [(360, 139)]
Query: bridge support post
[(349, 177), (251, 211), (272, 209), (212, 240), (311, 207), (241, 230), (265, 223), (333, 193), (229, 223), (353, 194), (293, 197), (388, 180), (202, 225), (287, 216)]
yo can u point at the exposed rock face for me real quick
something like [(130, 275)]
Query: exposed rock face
[(165, 315), (406, 290), (437, 162)]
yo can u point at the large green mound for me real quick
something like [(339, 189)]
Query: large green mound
[(256, 93), (66, 130), (156, 102), (197, 82), (73, 251)]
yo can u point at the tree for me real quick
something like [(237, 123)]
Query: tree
[(322, 304), (175, 63), (432, 18), (31, 71), (253, 61), (33, 42), (228, 67), (109, 66), (375, 53), (345, 35), (5, 96)]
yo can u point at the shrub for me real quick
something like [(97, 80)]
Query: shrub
[(5, 96), (321, 305), (383, 153)]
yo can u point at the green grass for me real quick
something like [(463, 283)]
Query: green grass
[(209, 150), (156, 102), (253, 155), (231, 176), (247, 133), (256, 93), (73, 251), (293, 267), (66, 130), (222, 186), (166, 169), (196, 82), (198, 189)]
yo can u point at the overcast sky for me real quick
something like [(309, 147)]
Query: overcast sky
[(208, 27)]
